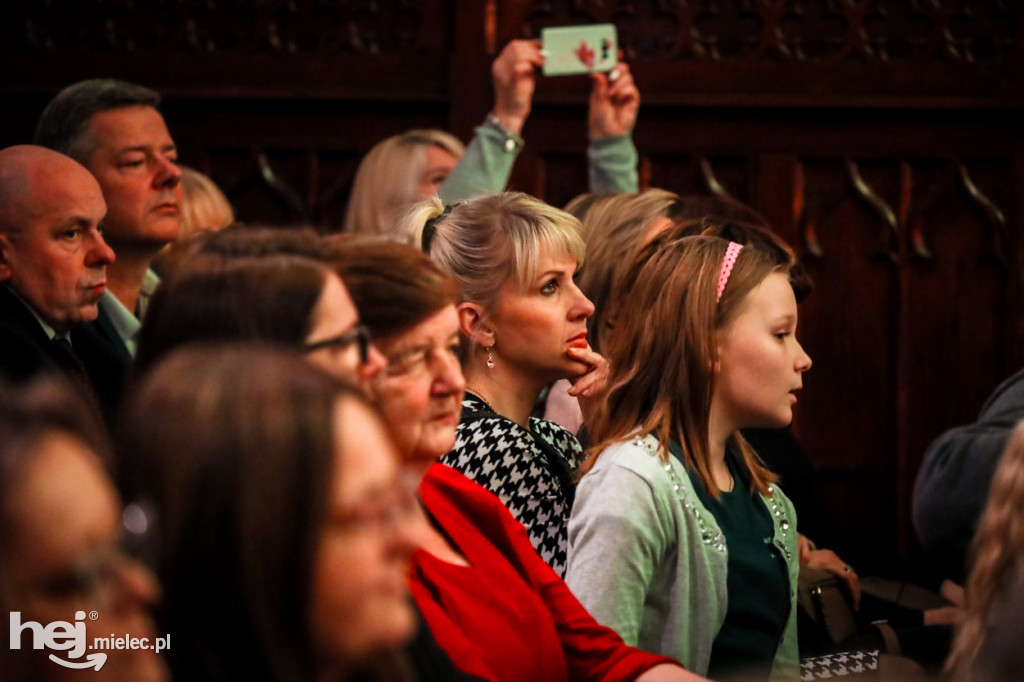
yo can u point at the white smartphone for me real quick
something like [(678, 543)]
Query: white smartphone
[(570, 50)]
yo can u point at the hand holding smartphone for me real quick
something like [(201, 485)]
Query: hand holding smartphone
[(570, 50)]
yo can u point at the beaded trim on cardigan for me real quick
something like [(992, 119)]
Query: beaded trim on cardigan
[(708, 537), (715, 539), (783, 523)]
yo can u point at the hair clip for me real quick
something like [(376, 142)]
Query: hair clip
[(430, 227)]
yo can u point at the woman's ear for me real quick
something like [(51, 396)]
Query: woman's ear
[(473, 325)]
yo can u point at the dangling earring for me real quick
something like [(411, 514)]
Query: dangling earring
[(490, 358)]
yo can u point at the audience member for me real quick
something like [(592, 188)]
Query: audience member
[(679, 539), (490, 600), (524, 321), (616, 228), (204, 208), (624, 224), (395, 174), (270, 285), (221, 293), (613, 227), (114, 129), (53, 270), (953, 482), (987, 644), (60, 522), (282, 515), (411, 166)]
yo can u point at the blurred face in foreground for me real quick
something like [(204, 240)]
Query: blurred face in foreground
[(64, 520), (361, 605)]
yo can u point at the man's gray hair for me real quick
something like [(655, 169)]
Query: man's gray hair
[(62, 125)]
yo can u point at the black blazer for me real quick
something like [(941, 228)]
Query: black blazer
[(26, 352)]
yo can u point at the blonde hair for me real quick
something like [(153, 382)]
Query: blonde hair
[(488, 241), (205, 208), (663, 353), (998, 550), (385, 184)]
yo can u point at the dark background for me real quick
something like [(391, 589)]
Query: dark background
[(882, 139)]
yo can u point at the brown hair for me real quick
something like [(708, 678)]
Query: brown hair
[(998, 556), (663, 352), (394, 286), (615, 227), (758, 235), (214, 298), (235, 447)]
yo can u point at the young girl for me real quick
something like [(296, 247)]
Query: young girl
[(678, 538)]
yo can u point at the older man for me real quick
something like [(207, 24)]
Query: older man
[(114, 129), (53, 271)]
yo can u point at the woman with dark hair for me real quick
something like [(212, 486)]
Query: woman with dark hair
[(492, 603), (60, 521), (281, 510), (679, 538), (230, 291)]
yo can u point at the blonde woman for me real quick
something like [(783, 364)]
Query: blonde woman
[(411, 166), (995, 584), (204, 207), (524, 326)]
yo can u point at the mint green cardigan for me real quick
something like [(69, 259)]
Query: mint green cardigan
[(487, 163), (648, 560)]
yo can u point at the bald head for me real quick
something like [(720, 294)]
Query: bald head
[(52, 252), (31, 178)]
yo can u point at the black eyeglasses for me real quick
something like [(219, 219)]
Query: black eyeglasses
[(360, 335)]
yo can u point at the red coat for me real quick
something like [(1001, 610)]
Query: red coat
[(507, 616)]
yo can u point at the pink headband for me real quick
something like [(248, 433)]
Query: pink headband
[(731, 254)]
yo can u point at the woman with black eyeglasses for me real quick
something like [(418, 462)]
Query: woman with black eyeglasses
[(276, 290)]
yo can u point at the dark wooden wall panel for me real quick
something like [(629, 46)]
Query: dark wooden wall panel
[(880, 137)]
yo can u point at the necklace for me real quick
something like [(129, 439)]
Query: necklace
[(480, 396)]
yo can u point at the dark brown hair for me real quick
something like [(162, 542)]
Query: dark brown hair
[(269, 298), (394, 286), (234, 447)]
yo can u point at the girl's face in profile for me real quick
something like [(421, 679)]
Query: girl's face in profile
[(760, 363)]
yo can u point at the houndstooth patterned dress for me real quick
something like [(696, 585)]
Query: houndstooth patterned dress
[(511, 462)]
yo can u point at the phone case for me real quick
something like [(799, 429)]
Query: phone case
[(579, 49)]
